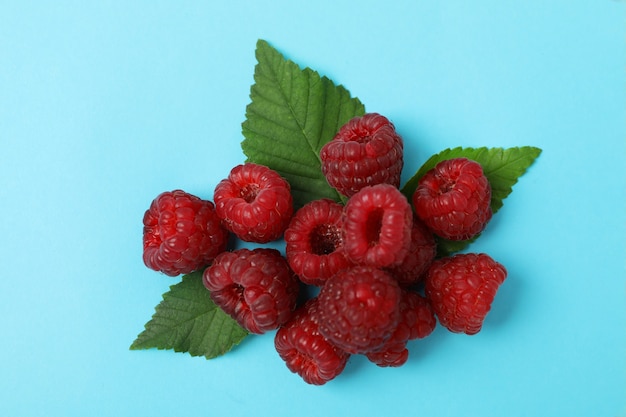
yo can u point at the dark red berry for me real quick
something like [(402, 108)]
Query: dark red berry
[(377, 226), (421, 253), (359, 308), (181, 233), (314, 245), (305, 351), (392, 354), (461, 289), (256, 287), (417, 321), (454, 199), (366, 151), (254, 202)]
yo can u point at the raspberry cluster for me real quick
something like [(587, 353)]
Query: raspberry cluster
[(373, 257)]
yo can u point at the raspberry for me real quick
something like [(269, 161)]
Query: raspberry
[(366, 151), (305, 351), (255, 287), (359, 308), (417, 321), (314, 246), (181, 233), (422, 252), (454, 198), (254, 202), (418, 315), (377, 226), (461, 289)]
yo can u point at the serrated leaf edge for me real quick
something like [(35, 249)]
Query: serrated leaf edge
[(139, 345)]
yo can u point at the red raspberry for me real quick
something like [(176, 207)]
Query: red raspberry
[(454, 199), (394, 354), (461, 289), (254, 202), (314, 246), (418, 315), (305, 351), (359, 308), (422, 252), (377, 226), (181, 233), (366, 151), (255, 287), (417, 321)]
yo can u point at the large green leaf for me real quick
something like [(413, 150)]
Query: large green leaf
[(293, 113), (187, 320)]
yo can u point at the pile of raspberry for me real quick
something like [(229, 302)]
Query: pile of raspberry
[(373, 260)]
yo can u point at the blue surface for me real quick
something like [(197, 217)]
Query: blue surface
[(103, 105)]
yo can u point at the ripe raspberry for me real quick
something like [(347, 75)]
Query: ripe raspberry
[(254, 202), (377, 226), (305, 351), (461, 289), (181, 233), (359, 309), (255, 287), (421, 253), (314, 246), (418, 315), (417, 321), (454, 199), (392, 354), (366, 151)]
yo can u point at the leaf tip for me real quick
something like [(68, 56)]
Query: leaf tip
[(262, 43)]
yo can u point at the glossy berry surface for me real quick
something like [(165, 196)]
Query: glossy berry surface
[(256, 287), (305, 351), (181, 233), (254, 202), (359, 308), (454, 199), (461, 289), (366, 151)]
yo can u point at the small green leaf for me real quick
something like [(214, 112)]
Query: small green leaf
[(502, 167), (292, 114), (187, 320)]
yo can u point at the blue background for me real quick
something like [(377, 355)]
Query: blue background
[(103, 105)]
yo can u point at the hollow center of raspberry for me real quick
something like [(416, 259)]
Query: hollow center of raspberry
[(249, 192), (446, 186), (363, 138), (325, 239), (373, 225), (236, 293)]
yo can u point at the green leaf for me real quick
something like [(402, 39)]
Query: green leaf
[(187, 320), (293, 112), (502, 167)]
